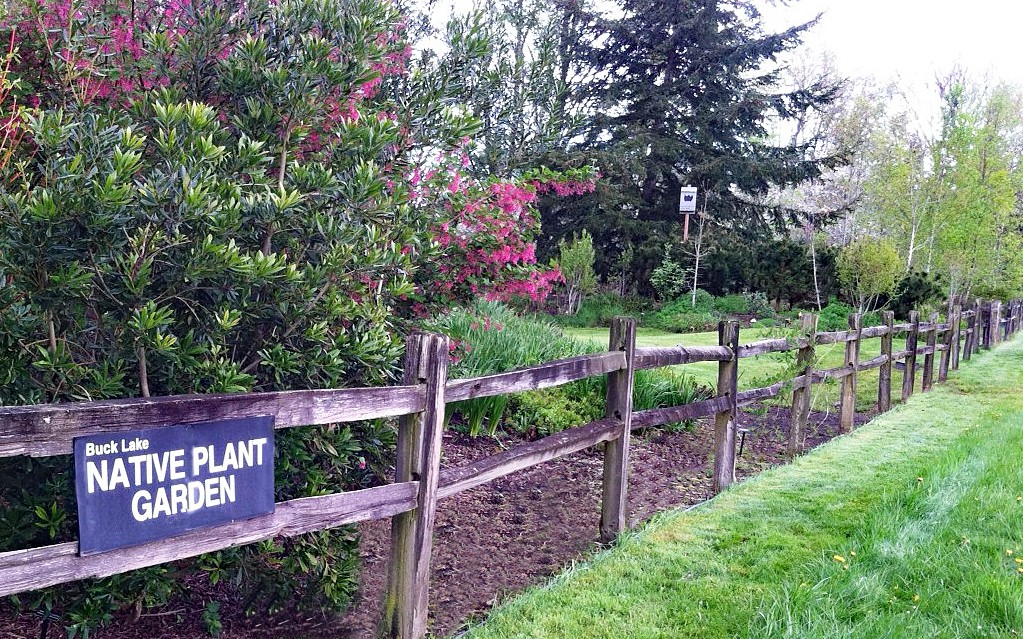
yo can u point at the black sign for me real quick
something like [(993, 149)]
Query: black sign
[(144, 485)]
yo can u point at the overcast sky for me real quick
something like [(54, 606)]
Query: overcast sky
[(912, 40)]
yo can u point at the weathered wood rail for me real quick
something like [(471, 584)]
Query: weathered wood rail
[(419, 403)]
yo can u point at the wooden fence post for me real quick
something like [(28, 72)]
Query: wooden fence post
[(971, 333), (909, 375), (852, 359), (987, 316), (884, 385), (978, 326), (616, 451), (947, 338), (418, 459), (1000, 314), (801, 392), (724, 421), (996, 325), (931, 345), (957, 329)]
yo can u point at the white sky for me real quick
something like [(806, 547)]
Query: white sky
[(913, 40)]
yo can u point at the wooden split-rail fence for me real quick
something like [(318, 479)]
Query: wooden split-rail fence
[(420, 483)]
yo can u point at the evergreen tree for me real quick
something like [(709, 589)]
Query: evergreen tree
[(688, 90)]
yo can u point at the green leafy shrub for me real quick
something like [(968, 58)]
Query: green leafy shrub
[(915, 290), (758, 304), (835, 317), (246, 227), (670, 279), (598, 310), (681, 316), (734, 304), (575, 260), (550, 410)]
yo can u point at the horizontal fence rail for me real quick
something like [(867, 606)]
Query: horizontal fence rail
[(50, 429), (420, 483)]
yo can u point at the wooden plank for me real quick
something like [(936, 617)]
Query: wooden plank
[(832, 373), (947, 337), (902, 328), (909, 374), (764, 392), (614, 493), (543, 376), (849, 382), (35, 568), (660, 356), (994, 323), (971, 333), (957, 329), (876, 362), (770, 346), (900, 355), (397, 607), (875, 331), (927, 378), (49, 429), (986, 318), (659, 416), (462, 478), (884, 384), (724, 421), (419, 453), (834, 337), (800, 412)]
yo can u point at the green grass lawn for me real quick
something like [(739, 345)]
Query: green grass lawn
[(912, 526), (764, 370)]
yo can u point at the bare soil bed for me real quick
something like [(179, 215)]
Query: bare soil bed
[(491, 541)]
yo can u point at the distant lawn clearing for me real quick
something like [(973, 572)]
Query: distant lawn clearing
[(764, 370), (912, 526)]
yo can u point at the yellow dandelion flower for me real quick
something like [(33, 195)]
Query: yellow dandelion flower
[(852, 552), (1019, 560), (916, 597), (1008, 551), (839, 558)]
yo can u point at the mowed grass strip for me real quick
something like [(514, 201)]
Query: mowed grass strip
[(764, 370), (910, 527)]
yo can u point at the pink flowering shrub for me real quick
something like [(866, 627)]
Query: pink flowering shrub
[(488, 238), (232, 196)]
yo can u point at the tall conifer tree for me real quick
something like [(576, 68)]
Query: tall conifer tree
[(687, 91)]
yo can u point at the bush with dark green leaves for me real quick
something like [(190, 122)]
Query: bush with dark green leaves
[(915, 290), (598, 310), (237, 216), (835, 317), (681, 316)]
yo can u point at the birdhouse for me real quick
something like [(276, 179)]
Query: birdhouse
[(687, 206), (687, 200)]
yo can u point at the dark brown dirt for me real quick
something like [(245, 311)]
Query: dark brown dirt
[(491, 541)]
